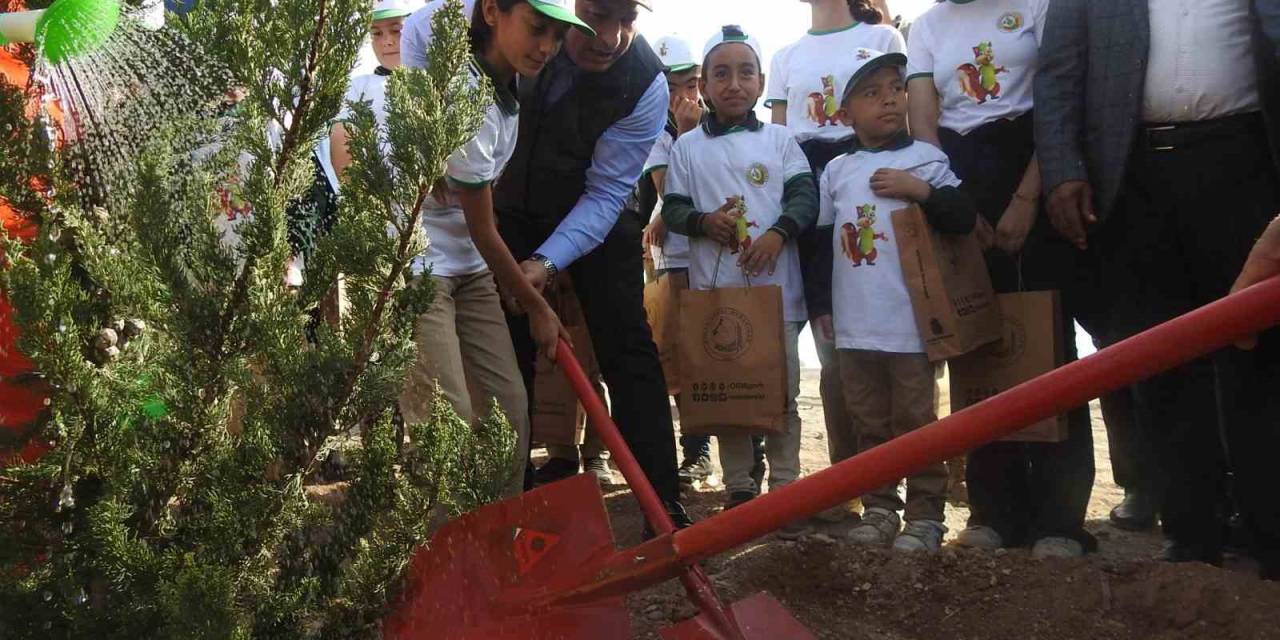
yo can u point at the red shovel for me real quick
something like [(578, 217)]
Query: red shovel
[(543, 566)]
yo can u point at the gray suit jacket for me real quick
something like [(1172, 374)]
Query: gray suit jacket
[(1088, 90)]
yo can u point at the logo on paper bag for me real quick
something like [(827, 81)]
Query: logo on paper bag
[(727, 334), (1012, 344)]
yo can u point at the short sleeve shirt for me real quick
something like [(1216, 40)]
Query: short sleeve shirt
[(756, 167), (982, 56), (674, 253), (809, 75), (871, 309)]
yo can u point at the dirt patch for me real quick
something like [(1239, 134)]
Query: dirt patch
[(841, 591)]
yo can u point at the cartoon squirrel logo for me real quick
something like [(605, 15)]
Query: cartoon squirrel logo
[(859, 241), (742, 239), (978, 79), (823, 106)]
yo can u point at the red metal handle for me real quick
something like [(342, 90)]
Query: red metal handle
[(598, 416), (1161, 348)]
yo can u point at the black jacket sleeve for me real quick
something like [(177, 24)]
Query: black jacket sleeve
[(950, 210), (817, 283)]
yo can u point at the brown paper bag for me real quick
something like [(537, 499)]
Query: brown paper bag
[(1033, 343), (558, 417), (950, 288), (733, 361), (662, 305)]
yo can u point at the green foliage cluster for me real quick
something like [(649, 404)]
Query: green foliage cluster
[(181, 495)]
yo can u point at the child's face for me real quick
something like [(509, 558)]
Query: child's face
[(877, 107), (385, 35), (526, 38), (733, 82), (684, 85)]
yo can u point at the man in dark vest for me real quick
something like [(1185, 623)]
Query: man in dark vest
[(587, 123)]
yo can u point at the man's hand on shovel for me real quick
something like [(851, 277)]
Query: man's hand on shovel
[(1263, 263)]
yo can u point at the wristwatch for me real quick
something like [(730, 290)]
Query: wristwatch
[(547, 264)]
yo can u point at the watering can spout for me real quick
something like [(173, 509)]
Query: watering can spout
[(66, 29)]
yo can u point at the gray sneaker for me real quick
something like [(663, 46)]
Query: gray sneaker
[(1056, 547), (920, 535), (980, 537), (878, 527)]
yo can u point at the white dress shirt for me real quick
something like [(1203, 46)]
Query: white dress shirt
[(1200, 65)]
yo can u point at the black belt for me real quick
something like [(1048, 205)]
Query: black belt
[(1177, 135)]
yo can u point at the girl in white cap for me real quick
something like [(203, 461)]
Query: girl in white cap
[(463, 341)]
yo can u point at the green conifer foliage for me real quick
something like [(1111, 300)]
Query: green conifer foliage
[(188, 493)]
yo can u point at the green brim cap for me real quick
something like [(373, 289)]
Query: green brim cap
[(388, 9), (562, 11), (874, 62), (389, 14), (681, 67)]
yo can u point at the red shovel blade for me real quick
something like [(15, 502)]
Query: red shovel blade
[(760, 617), (470, 580)]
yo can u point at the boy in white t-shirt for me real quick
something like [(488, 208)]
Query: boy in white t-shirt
[(888, 379), (742, 191)]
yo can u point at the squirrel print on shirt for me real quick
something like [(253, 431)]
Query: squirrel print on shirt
[(978, 79), (859, 241), (742, 237), (823, 106)]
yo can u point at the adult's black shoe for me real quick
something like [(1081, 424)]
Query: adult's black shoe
[(554, 470), (1137, 512), (1179, 552), (679, 517)]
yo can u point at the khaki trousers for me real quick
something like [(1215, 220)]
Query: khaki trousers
[(782, 450), (464, 347), (888, 395)]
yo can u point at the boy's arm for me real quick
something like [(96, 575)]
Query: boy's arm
[(799, 206), (950, 210), (680, 216), (817, 287)]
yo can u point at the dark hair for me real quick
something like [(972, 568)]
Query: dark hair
[(864, 11), (480, 31)]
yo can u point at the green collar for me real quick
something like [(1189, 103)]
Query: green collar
[(714, 128), (827, 32), (503, 95), (960, 1), (900, 141)]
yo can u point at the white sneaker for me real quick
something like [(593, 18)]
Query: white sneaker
[(920, 535), (1056, 547), (878, 527), (980, 537)]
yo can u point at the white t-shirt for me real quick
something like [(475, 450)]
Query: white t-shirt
[(474, 165), (871, 308), (674, 253), (809, 76), (755, 165), (371, 88), (982, 56)]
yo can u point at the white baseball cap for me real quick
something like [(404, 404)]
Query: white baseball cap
[(869, 61), (561, 10), (676, 53), (387, 9), (728, 34)]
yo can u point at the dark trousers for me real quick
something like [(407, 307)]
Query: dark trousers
[(1193, 203), (1132, 465), (609, 282), (1025, 491)]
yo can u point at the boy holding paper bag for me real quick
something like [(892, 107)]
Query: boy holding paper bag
[(742, 191), (858, 284)]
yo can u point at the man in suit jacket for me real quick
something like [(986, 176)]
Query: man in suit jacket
[(1156, 127)]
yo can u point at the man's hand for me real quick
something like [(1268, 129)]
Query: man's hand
[(1071, 211), (719, 225), (655, 235), (688, 114), (535, 273), (824, 328), (1015, 224), (762, 253), (900, 185), (1263, 263), (546, 330)]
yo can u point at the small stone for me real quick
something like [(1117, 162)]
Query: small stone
[(822, 537), (106, 339), (993, 581), (866, 586), (117, 326), (134, 327), (110, 354)]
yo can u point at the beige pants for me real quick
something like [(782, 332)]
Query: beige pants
[(465, 347), (782, 450), (591, 447), (889, 395)]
